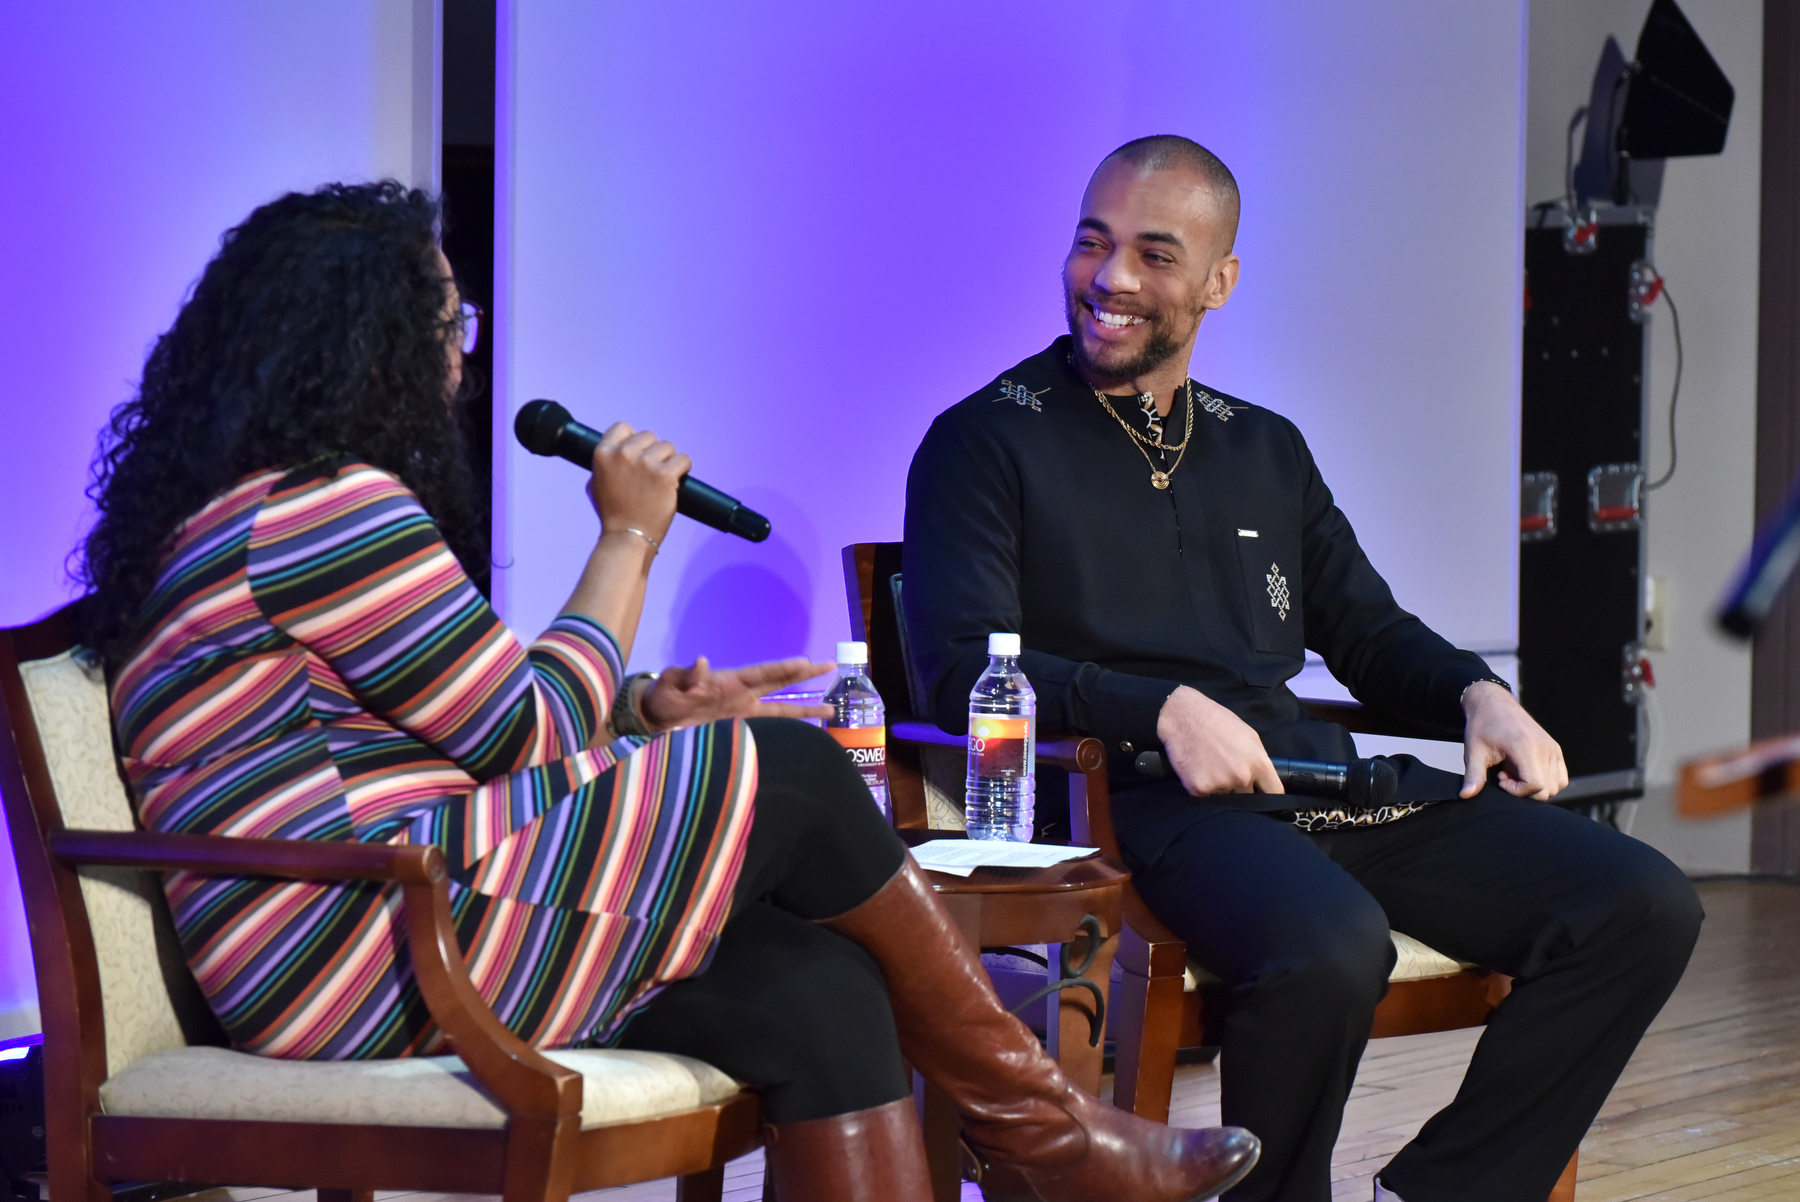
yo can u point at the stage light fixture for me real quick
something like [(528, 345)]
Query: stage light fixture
[(1671, 100), (1678, 102)]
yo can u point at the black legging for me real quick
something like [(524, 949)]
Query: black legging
[(785, 1004)]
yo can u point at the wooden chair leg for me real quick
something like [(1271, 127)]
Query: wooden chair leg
[(1148, 1014), (540, 1160), (1564, 1189), (708, 1185), (1125, 1024)]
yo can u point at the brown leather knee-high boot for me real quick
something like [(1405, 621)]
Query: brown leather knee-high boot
[(1037, 1136), (874, 1155)]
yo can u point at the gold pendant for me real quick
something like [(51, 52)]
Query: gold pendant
[(1160, 479)]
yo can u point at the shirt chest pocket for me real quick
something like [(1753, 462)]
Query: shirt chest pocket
[(1269, 560)]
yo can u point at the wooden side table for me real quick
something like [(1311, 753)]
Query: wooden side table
[(998, 907)]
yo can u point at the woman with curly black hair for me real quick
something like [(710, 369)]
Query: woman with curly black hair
[(281, 586)]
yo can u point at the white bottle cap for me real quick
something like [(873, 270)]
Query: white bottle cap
[(853, 653), (1003, 644)]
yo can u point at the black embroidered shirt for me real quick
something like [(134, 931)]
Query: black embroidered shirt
[(1028, 509)]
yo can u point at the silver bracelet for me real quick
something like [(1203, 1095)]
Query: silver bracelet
[(626, 718), (1463, 696)]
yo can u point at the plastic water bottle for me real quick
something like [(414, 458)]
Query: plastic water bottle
[(1002, 775), (858, 719)]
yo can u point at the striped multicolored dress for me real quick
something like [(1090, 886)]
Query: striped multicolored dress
[(320, 667)]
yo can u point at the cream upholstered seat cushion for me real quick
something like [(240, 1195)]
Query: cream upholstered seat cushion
[(1414, 962), (435, 1091), (74, 723)]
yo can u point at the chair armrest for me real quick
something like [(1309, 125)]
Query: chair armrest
[(528, 1085), (1075, 754), (219, 855), (1064, 753), (1147, 947), (1080, 757), (912, 730)]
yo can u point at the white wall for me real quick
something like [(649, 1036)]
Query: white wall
[(1700, 523), (787, 236), (134, 135)]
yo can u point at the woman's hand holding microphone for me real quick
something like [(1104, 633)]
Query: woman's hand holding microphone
[(634, 482), (633, 490)]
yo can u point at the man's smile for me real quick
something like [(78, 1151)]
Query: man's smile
[(1111, 319)]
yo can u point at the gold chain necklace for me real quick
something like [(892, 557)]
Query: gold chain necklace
[(1158, 478)]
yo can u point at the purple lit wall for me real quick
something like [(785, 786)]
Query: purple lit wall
[(788, 235), (133, 136)]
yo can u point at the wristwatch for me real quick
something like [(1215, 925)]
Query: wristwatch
[(626, 718)]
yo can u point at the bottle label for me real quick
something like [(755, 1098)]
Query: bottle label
[(867, 748), (1000, 746)]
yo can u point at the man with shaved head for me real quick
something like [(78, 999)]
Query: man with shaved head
[(1169, 554)]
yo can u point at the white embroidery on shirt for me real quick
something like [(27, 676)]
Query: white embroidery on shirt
[(1020, 395), (1215, 406), (1152, 419), (1278, 591)]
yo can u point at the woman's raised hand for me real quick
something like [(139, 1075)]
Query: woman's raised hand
[(634, 482), (692, 696), (633, 490)]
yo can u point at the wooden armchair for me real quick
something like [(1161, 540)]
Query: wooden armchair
[(1161, 1001), (131, 1091)]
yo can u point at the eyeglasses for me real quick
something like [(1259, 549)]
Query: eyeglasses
[(469, 321)]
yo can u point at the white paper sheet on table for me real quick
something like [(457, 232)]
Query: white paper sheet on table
[(960, 857)]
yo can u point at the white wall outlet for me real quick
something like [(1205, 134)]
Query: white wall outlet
[(1656, 619)]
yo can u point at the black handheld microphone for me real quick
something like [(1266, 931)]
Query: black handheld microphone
[(1360, 784), (545, 428)]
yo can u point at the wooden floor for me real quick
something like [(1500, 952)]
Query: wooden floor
[(1708, 1108)]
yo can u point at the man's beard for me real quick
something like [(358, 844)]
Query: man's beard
[(1163, 346)]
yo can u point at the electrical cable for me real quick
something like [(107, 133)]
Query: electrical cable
[(1569, 158), (1566, 202), (1675, 392)]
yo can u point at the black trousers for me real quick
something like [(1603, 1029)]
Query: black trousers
[(785, 1004), (1594, 926)]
